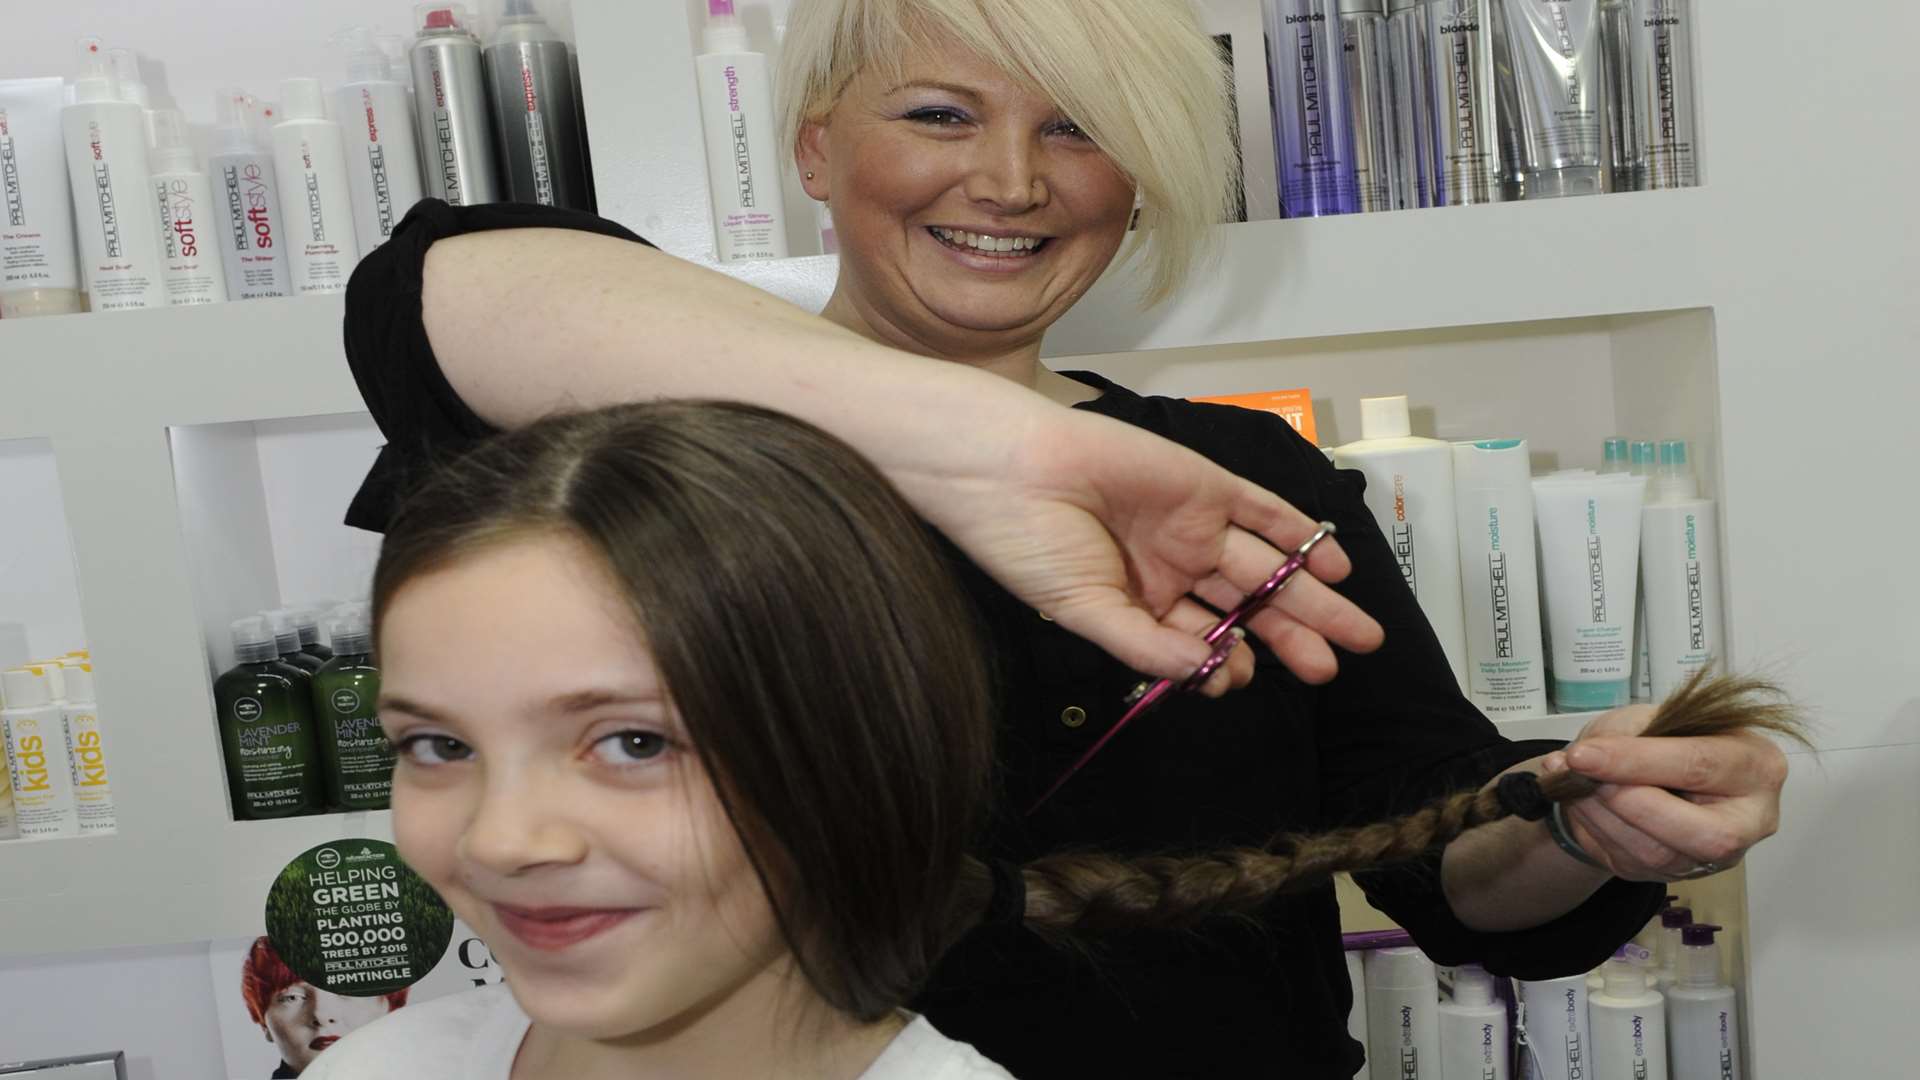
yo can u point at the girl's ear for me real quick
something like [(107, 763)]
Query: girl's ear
[(810, 153)]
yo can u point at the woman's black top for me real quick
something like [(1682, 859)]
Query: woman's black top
[(1267, 997)]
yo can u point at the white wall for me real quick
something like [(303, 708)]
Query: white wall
[(156, 1005), (39, 600)]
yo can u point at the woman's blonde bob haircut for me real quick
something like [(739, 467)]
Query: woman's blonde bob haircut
[(1138, 76)]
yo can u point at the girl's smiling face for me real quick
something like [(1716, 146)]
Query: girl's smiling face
[(971, 212), (546, 788)]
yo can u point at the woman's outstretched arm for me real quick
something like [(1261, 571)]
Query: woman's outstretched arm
[(1101, 526)]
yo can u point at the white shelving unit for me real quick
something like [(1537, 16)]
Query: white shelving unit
[(1769, 316)]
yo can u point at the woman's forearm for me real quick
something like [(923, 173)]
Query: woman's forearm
[(1512, 876)]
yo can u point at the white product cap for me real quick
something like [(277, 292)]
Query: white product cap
[(126, 72), (1403, 968), (366, 60), (351, 629), (1384, 418), (172, 142), (302, 99), (56, 676), (253, 640), (724, 32), (440, 20), (27, 687), (1472, 985), (95, 82), (79, 683)]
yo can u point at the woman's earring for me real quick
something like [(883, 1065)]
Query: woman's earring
[(809, 176)]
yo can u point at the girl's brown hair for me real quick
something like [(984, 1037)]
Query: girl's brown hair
[(830, 675)]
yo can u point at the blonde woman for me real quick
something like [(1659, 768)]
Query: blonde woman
[(938, 129)]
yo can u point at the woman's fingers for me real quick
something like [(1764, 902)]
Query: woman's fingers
[(1272, 518), (1719, 832), (1627, 851), (1716, 765), (1248, 562), (1237, 672), (1304, 650)]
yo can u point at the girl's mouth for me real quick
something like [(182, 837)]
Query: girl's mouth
[(1012, 248)]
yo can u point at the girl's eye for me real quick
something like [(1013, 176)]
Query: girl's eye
[(627, 747), (937, 116), (1070, 129), (433, 750)]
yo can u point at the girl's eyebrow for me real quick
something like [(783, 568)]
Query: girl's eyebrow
[(951, 88), (397, 703), (587, 700)]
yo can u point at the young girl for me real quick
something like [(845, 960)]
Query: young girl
[(695, 730)]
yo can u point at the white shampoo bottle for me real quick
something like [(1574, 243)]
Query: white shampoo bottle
[(383, 159), (253, 232), (36, 751), (1629, 1022), (1357, 1014), (311, 160), (185, 200), (87, 753), (1403, 1015), (1499, 578), (1680, 564), (39, 272), (743, 157), (106, 139), (1558, 1036), (1703, 1020), (1473, 1029), (1411, 493)]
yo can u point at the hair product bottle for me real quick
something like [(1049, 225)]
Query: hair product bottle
[(1312, 128), (1616, 73), (253, 233), (39, 272), (106, 137), (1411, 493), (1663, 91), (1412, 74), (1473, 1029), (1403, 1014), (1557, 1030), (536, 112), (376, 120), (1499, 578), (306, 622), (1589, 527), (1466, 124), (457, 158), (87, 752), (743, 157), (1357, 1012), (346, 691), (1555, 47), (1363, 25), (286, 640), (1629, 1023), (36, 750), (1703, 1020), (265, 709), (185, 198), (309, 154), (1680, 563)]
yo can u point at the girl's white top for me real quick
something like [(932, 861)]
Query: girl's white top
[(475, 1035)]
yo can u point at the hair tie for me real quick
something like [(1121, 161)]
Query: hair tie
[(1008, 905), (1520, 795)]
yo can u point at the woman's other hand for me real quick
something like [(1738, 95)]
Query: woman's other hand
[(1112, 532), (1667, 807)]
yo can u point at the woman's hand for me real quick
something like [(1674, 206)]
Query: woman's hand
[(1107, 530), (1666, 808)]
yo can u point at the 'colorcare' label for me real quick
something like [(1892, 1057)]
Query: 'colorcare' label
[(351, 918)]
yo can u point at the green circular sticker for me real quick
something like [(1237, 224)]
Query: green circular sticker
[(350, 918)]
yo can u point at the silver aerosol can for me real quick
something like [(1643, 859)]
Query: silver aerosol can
[(1623, 129), (1412, 71), (536, 115), (1466, 127), (458, 163), (1364, 26), (1662, 86)]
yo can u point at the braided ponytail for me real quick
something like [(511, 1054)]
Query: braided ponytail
[(1070, 894)]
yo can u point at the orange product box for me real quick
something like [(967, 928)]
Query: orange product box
[(1293, 406)]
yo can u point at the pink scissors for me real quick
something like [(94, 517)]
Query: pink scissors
[(1221, 637)]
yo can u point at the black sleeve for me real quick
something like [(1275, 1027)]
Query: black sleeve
[(1396, 731), (423, 419)]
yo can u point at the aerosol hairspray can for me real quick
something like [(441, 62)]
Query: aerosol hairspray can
[(456, 142), (535, 110)]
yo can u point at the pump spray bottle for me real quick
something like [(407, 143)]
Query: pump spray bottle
[(185, 198), (106, 137), (458, 162), (1473, 1029), (309, 153), (743, 158), (376, 120), (1703, 1020), (536, 115), (252, 233), (1629, 1021)]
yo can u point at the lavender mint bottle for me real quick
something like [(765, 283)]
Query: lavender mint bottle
[(1312, 127)]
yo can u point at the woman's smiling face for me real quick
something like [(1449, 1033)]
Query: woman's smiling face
[(971, 212)]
